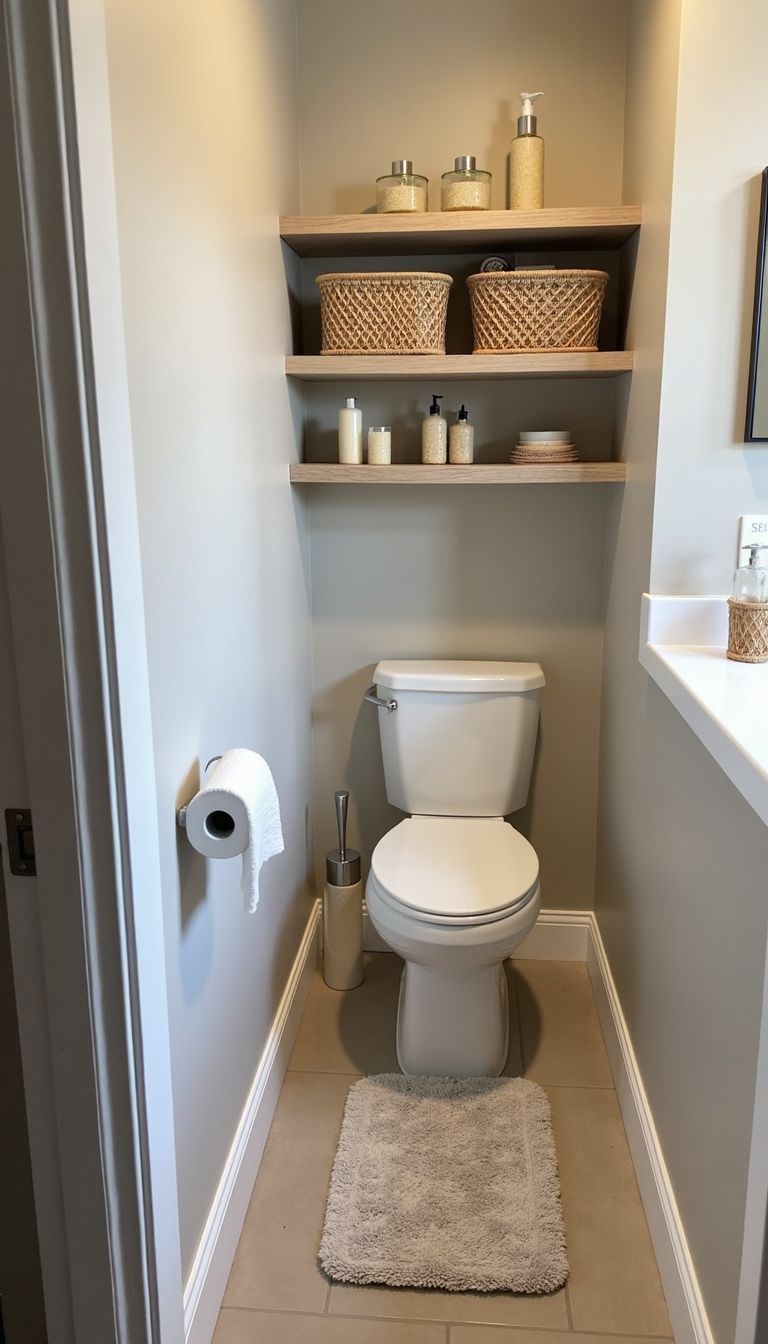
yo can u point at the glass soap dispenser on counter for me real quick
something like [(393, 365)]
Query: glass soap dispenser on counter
[(467, 187), (748, 610), (402, 191)]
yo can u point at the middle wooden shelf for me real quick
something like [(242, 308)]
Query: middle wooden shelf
[(578, 364)]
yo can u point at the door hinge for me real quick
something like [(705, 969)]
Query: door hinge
[(21, 841)]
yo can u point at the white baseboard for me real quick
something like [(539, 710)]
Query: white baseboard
[(208, 1277), (559, 935), (372, 941), (684, 1300)]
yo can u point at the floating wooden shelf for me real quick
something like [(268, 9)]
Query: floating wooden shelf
[(460, 231), (331, 368), (480, 473)]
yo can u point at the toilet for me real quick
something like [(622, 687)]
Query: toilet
[(454, 888)]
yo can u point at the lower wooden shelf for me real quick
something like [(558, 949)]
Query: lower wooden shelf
[(480, 473)]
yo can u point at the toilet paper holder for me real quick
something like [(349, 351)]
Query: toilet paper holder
[(181, 812)]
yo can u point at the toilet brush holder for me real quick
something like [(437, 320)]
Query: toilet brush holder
[(342, 909)]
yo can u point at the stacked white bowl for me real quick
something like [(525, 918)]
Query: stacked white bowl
[(541, 446)]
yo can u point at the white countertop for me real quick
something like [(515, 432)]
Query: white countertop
[(682, 647)]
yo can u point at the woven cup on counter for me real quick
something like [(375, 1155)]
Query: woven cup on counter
[(384, 312), (747, 631)]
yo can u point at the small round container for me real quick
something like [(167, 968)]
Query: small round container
[(402, 192), (467, 187), (545, 436), (379, 446)]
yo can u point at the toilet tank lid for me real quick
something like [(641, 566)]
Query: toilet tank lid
[(458, 675)]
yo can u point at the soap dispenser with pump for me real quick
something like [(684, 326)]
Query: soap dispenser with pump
[(748, 610), (526, 160), (461, 439), (434, 435), (750, 582)]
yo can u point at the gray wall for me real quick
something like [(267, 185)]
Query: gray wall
[(441, 573), (473, 572), (203, 105), (681, 857)]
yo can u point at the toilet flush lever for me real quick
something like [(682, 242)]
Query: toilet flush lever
[(374, 699)]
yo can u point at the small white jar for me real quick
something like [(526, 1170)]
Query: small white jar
[(379, 446)]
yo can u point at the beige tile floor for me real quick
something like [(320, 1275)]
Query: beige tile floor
[(278, 1295)]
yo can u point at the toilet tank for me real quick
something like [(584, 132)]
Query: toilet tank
[(461, 741)]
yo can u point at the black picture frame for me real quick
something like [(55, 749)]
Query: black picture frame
[(760, 284)]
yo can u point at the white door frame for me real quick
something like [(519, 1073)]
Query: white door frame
[(91, 995)]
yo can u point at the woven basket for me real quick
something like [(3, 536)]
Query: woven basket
[(747, 631), (384, 312), (533, 311)]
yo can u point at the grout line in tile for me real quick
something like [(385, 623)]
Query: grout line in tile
[(439, 1320), (622, 1334), (578, 1087), (328, 1073), (518, 1015), (391, 1320), (568, 1310), (449, 1325)]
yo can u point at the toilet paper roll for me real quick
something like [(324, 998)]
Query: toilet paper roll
[(237, 812)]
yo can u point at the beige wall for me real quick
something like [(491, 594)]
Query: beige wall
[(436, 78), (707, 477), (468, 573), (203, 103), (681, 857)]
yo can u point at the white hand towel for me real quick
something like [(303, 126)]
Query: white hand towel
[(243, 780)]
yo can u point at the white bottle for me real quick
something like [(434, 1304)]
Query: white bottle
[(526, 161), (350, 432)]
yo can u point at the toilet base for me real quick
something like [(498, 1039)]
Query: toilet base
[(453, 1023)]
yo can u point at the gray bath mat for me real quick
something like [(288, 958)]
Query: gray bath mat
[(446, 1183)]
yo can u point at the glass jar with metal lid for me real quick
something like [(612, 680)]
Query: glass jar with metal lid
[(402, 191), (467, 187)]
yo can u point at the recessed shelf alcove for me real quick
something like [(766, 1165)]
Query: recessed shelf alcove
[(458, 241)]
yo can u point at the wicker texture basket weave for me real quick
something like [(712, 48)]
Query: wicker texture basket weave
[(533, 311), (747, 631), (384, 312)]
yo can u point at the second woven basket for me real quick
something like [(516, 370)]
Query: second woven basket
[(536, 311)]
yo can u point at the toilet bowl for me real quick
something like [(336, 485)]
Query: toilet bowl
[(454, 888), (453, 896)]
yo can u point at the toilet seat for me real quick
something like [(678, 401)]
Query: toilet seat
[(455, 870)]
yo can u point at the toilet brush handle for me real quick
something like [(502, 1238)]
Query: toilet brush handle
[(341, 799)]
